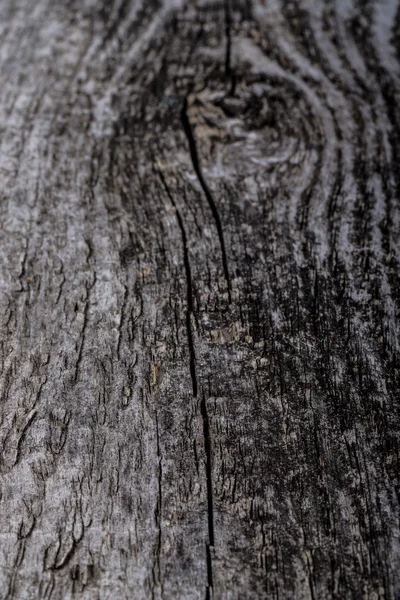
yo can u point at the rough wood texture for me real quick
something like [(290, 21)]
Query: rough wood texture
[(200, 299)]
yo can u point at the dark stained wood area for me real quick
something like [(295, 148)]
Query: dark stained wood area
[(199, 299)]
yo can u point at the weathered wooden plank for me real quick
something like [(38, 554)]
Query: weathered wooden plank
[(199, 299)]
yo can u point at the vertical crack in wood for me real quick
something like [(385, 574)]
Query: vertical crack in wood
[(211, 202), (210, 506), (83, 331), (189, 287), (158, 514), (203, 405)]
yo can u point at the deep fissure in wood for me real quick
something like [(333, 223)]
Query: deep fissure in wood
[(210, 199)]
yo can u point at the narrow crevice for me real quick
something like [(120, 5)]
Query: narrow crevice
[(196, 166), (83, 330), (189, 288), (210, 505), (203, 405), (158, 516)]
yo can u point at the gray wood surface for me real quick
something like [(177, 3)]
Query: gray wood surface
[(200, 299)]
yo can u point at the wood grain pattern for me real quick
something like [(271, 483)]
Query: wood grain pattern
[(200, 299)]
